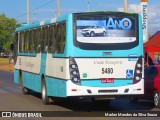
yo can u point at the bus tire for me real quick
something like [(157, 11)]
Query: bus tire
[(55, 100), (20, 78), (45, 98), (101, 102), (133, 100), (156, 99), (25, 91)]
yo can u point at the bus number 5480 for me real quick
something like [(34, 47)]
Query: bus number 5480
[(107, 70)]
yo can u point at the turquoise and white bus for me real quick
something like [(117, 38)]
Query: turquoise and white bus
[(88, 54)]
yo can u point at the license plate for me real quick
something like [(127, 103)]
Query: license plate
[(107, 80)]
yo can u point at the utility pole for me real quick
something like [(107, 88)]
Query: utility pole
[(88, 4), (58, 8), (28, 12), (125, 5)]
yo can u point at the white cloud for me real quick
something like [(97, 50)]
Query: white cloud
[(106, 5), (153, 18), (120, 9), (134, 8)]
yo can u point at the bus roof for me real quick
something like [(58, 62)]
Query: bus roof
[(106, 12), (40, 24), (53, 20)]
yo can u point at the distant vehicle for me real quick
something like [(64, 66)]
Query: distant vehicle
[(4, 55), (93, 31), (151, 85)]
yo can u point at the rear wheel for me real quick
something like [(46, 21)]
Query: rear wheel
[(25, 91), (20, 78), (156, 99), (45, 98), (133, 100), (101, 102)]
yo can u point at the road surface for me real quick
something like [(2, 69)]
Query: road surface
[(12, 99)]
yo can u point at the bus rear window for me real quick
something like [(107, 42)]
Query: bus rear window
[(103, 30)]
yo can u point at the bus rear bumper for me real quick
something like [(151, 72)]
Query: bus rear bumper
[(77, 90)]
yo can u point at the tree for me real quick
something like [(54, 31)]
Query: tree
[(7, 28)]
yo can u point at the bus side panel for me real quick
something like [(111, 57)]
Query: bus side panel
[(16, 76), (29, 64), (43, 63), (56, 87), (57, 73), (32, 81)]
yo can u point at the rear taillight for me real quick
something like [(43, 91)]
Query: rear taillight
[(74, 72), (138, 71)]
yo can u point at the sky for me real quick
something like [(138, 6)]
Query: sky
[(45, 9)]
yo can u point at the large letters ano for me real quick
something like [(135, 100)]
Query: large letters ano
[(124, 24)]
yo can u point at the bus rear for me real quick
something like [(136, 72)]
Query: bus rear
[(105, 54)]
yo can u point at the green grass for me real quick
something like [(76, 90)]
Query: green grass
[(3, 60)]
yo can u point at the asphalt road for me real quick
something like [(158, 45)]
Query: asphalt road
[(12, 99)]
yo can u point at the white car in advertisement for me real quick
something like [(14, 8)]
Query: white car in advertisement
[(94, 31)]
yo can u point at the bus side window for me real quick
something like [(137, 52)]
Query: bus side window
[(26, 41), (44, 39), (61, 37), (31, 41), (38, 40), (52, 39), (35, 40), (15, 44), (14, 47), (58, 37), (21, 42)]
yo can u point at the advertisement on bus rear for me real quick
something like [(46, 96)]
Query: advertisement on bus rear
[(109, 30)]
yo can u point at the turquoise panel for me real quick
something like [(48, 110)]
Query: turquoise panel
[(16, 76), (27, 54), (56, 87), (32, 81), (97, 83), (43, 63)]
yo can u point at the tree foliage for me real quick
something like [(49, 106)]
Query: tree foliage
[(7, 28)]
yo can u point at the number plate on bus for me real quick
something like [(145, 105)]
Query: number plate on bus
[(107, 80)]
